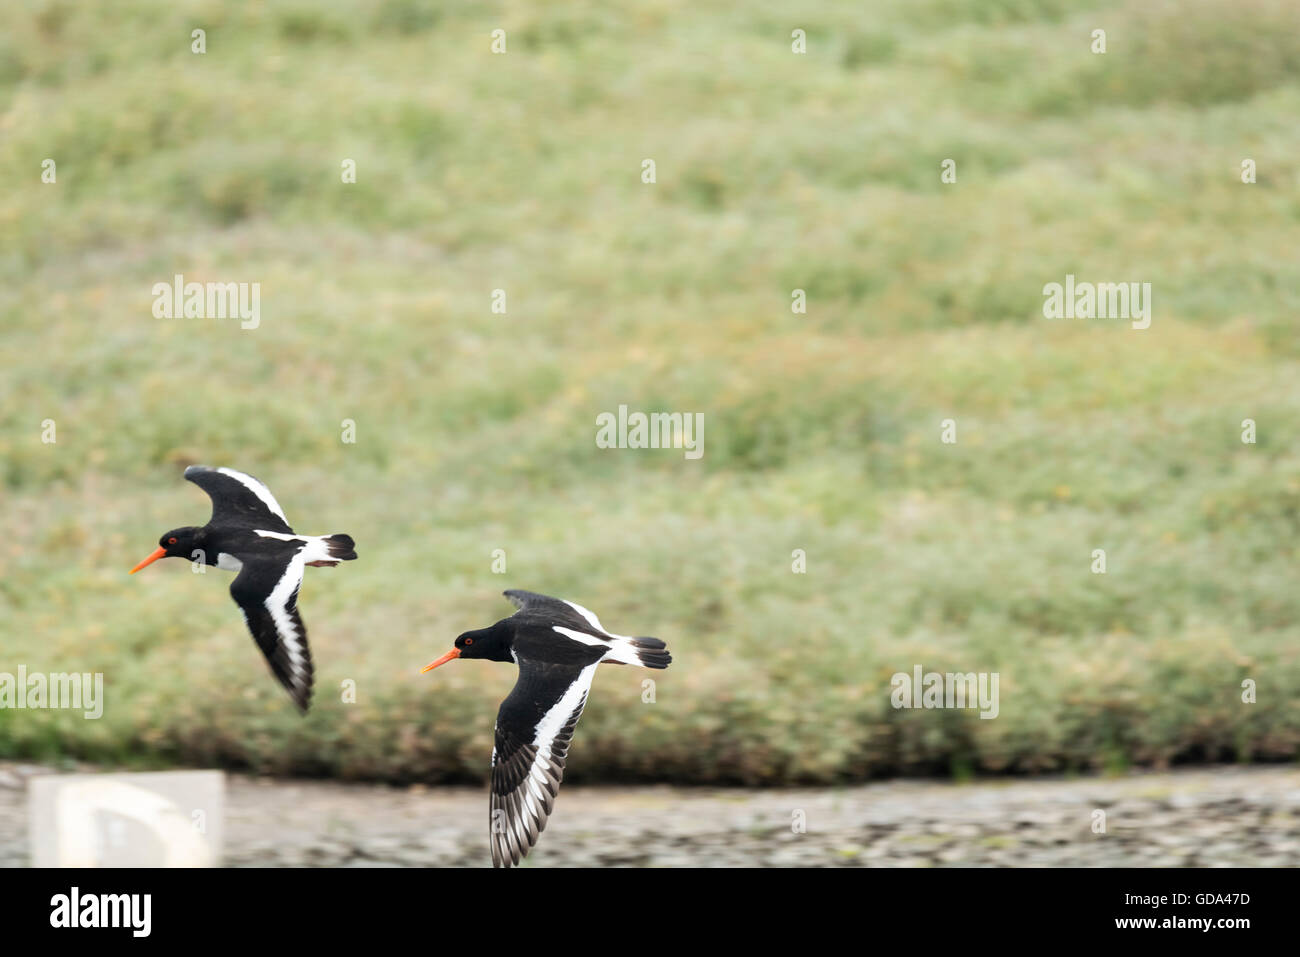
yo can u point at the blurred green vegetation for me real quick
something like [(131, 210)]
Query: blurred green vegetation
[(476, 431)]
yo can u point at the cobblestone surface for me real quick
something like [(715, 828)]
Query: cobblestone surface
[(1226, 816)]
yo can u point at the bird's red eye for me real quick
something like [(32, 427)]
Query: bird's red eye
[(469, 641), (172, 540)]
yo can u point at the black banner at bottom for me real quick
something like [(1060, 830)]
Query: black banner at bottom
[(335, 906)]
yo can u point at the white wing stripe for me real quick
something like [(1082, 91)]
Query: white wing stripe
[(258, 489), (586, 613), (277, 602), (534, 792), (314, 547), (553, 721), (280, 536), (621, 647), (527, 806), (592, 620), (581, 636)]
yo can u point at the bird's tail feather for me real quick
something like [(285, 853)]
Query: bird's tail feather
[(646, 652), (341, 547)]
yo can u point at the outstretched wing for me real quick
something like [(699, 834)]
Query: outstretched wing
[(544, 609), (534, 727), (239, 500), (266, 590), (571, 620)]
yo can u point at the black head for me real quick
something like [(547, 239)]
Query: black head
[(178, 543), (490, 643), (181, 542)]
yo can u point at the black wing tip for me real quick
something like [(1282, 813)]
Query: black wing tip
[(508, 858), (300, 695), (509, 855), (194, 471), (519, 597)]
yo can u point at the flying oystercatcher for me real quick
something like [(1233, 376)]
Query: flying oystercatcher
[(249, 534), (557, 646)]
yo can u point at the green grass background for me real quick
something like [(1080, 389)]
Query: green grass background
[(476, 431)]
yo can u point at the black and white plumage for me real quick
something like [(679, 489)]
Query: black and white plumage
[(557, 645), (249, 534)]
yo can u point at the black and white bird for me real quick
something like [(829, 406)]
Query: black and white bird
[(249, 534), (557, 646)]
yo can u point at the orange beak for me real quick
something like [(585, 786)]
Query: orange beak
[(454, 653), (158, 553)]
